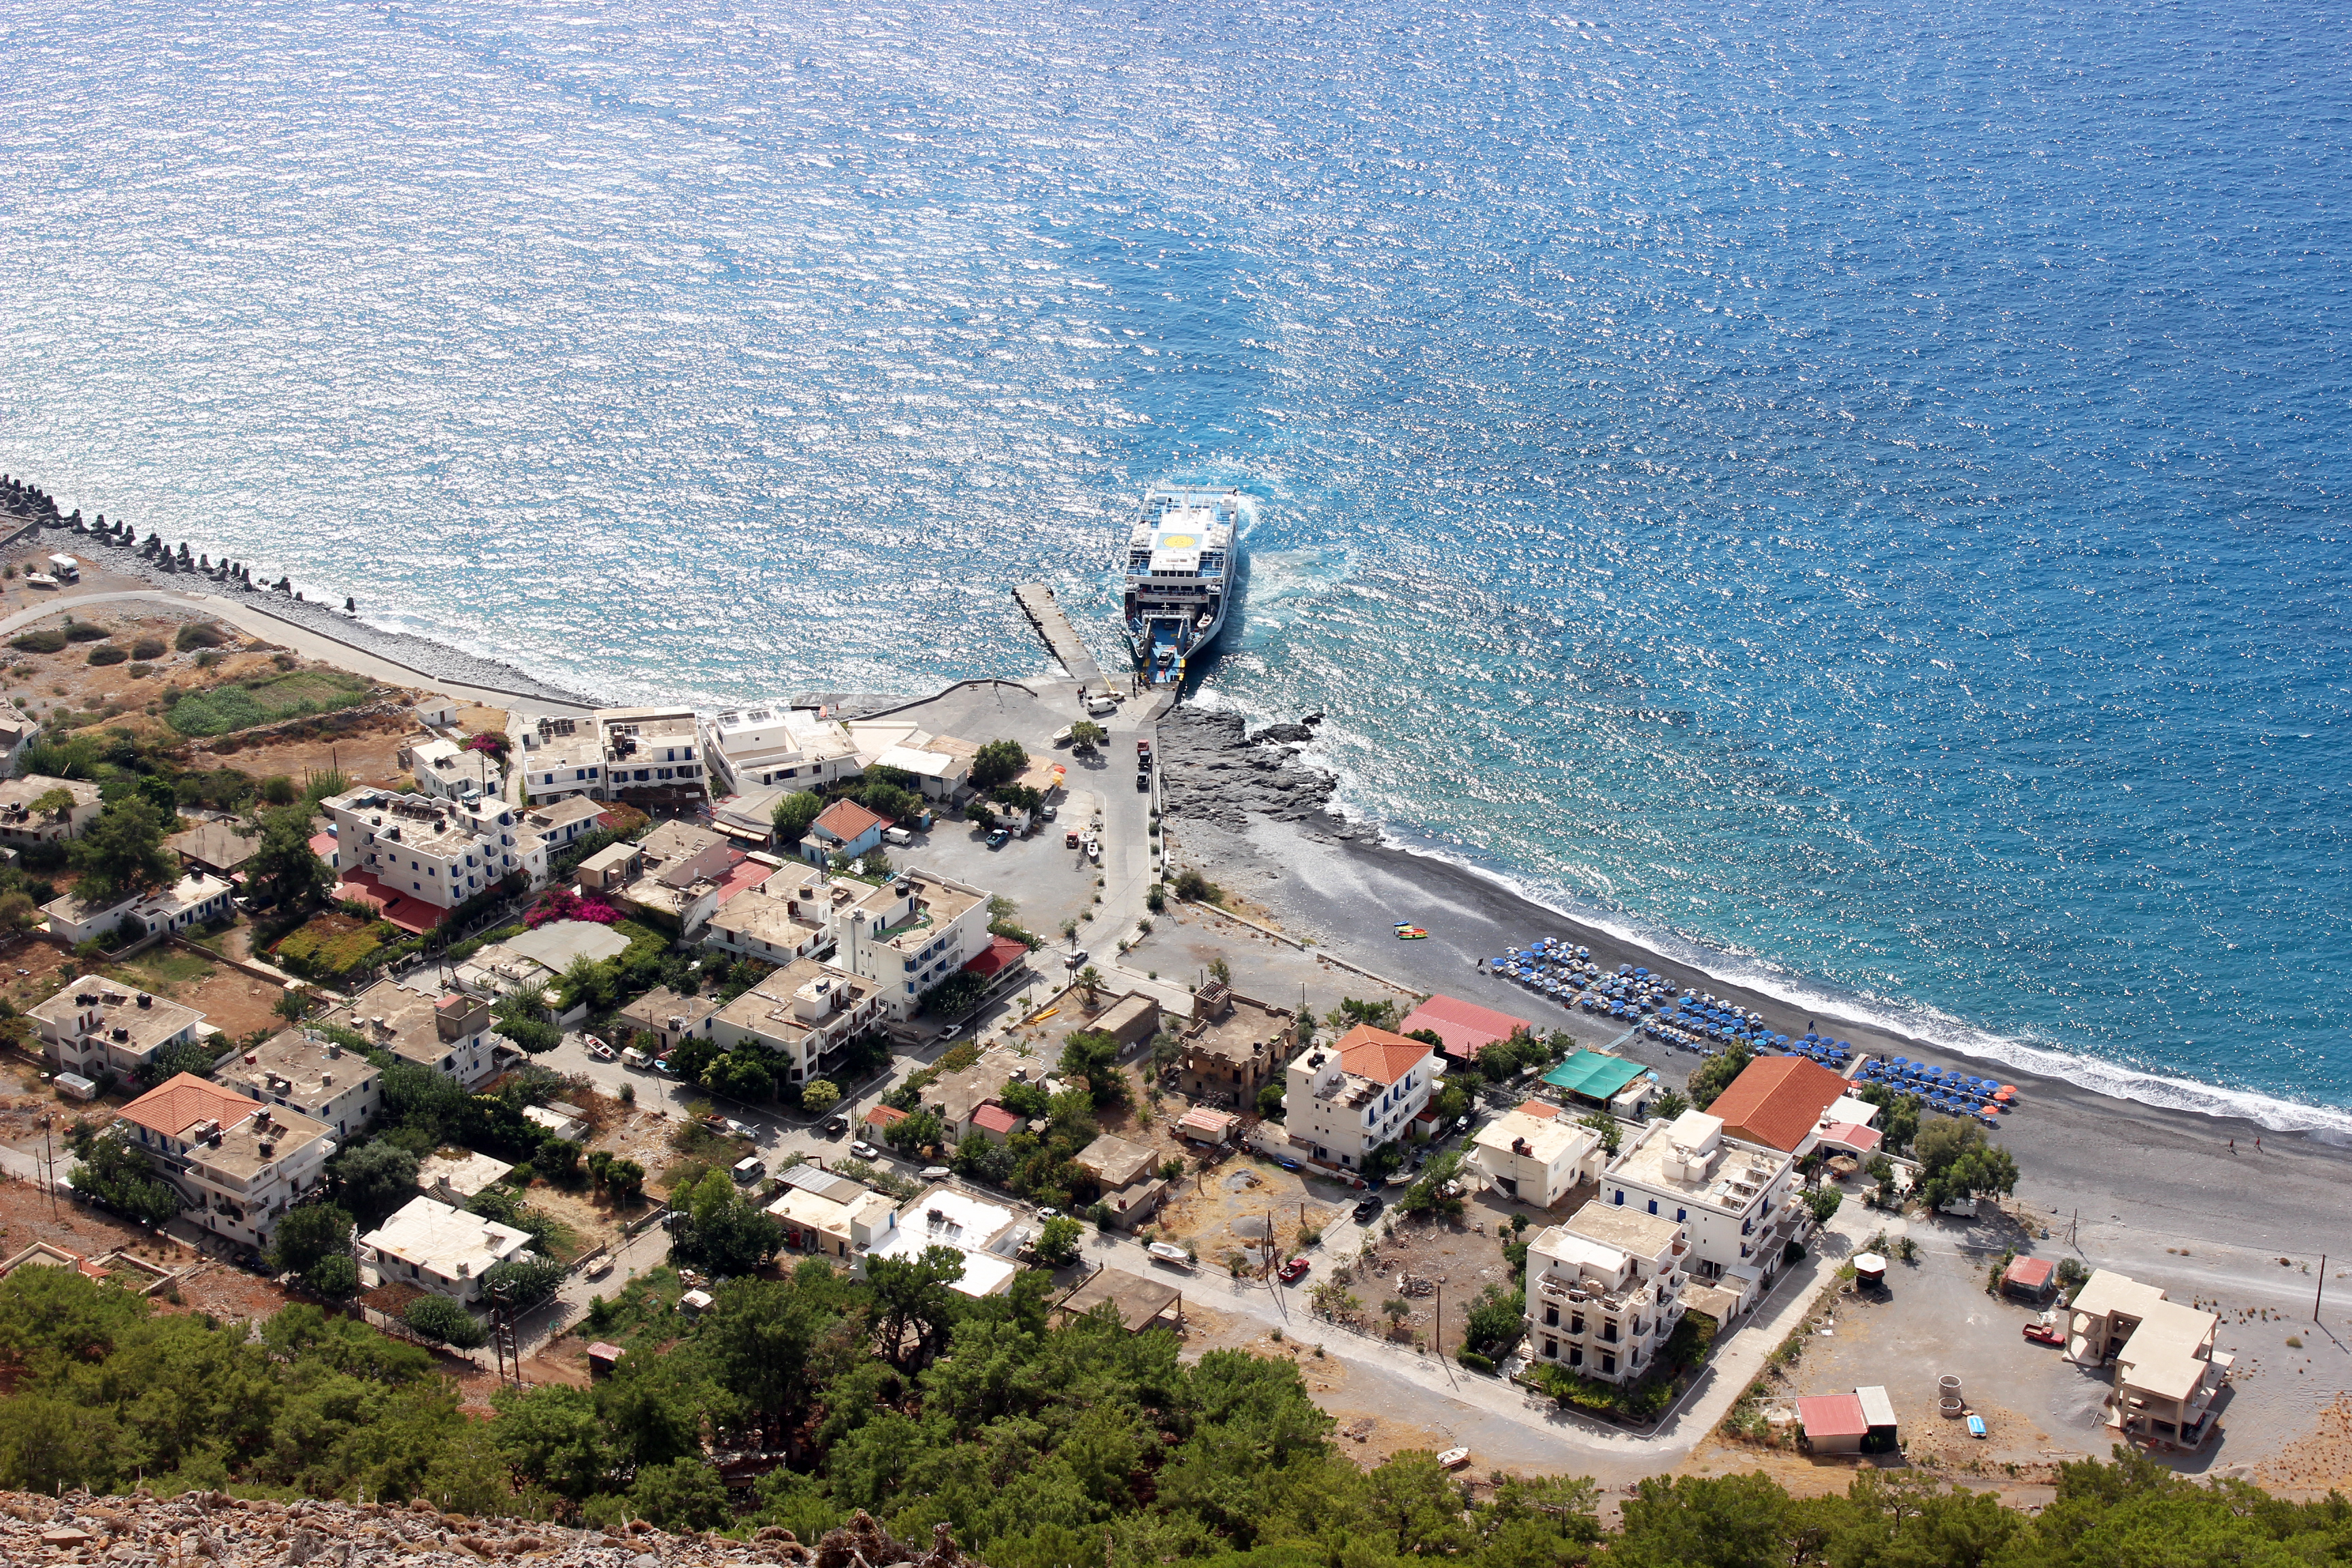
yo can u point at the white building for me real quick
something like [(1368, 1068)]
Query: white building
[(1536, 1154), (560, 824), (20, 823), (1345, 1100), (1604, 1292), (95, 1026), (788, 916), (442, 1249), (448, 1033), (567, 766), (986, 1234), (311, 1074), (1736, 1200), (438, 852), (652, 755), (806, 1012), (909, 935), (683, 872), (195, 899), (18, 729), (446, 770), (236, 1166), (832, 1216), (772, 743)]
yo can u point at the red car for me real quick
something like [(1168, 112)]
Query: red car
[(1294, 1271), (2045, 1333)]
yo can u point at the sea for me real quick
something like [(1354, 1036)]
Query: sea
[(1852, 493)]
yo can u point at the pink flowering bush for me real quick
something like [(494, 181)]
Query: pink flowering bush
[(565, 905)]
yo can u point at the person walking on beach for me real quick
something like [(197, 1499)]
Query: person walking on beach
[(2233, 1145)]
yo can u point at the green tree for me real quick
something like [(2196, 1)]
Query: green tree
[(115, 1172), (1713, 1076), (1093, 1055), (1058, 1241), (526, 1281), (685, 1494), (1823, 1202), (917, 1130), (1086, 735), (284, 874), (122, 853), (375, 1178), (1414, 1501), (1607, 1128), (890, 801), (998, 762), (335, 1276), (1270, 1101), (444, 1321), (720, 1229), (307, 1234), (916, 1303), (1956, 1162), (1669, 1104), (819, 1095), (794, 812)]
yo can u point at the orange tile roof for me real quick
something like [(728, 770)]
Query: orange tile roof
[(848, 821), (1777, 1100), (1379, 1055), (1542, 1110), (179, 1102)]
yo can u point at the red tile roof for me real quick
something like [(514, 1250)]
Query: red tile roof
[(848, 821), (1832, 1414), (180, 1102), (1464, 1026), (994, 1118), (884, 1115), (1777, 1100), (2030, 1273), (1001, 953), (1380, 1055), (1541, 1110)]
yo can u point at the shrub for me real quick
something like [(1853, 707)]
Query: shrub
[(147, 647), (45, 641), (1194, 888), (199, 633), (1474, 1361), (108, 654), (141, 671), (85, 631), (442, 1320)]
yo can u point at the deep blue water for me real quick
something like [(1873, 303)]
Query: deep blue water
[(1855, 487)]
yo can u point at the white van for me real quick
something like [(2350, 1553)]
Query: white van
[(749, 1171), (897, 836), (64, 568), (633, 1058)]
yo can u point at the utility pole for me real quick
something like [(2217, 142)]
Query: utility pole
[(49, 1157), (2319, 1289)]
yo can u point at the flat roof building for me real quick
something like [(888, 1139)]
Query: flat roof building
[(1537, 1155), (95, 1026), (435, 1248), (985, 1233), (311, 1074)]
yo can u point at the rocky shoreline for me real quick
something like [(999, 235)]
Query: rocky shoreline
[(1214, 770), (114, 546)]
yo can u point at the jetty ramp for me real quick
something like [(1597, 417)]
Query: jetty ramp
[(1061, 640)]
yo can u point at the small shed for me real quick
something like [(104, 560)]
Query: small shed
[(1832, 1423), (1878, 1414), (76, 1085), (1139, 1302), (2029, 1278), (1203, 1125), (602, 1358), (1132, 1017), (694, 1303)]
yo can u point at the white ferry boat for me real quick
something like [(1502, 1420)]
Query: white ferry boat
[(1179, 565)]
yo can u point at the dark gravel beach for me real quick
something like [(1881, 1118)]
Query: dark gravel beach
[(2139, 1175)]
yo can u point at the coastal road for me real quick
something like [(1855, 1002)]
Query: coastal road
[(246, 617), (1499, 1421)]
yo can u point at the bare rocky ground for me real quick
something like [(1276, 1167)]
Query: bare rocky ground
[(212, 1529), (1214, 771)]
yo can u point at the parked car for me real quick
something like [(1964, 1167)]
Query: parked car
[(1049, 1214), (1000, 838), (1294, 1270), (749, 1171), (1070, 838), (835, 1126), (951, 1031), (1367, 1209), (2045, 1333), (1289, 1164), (1049, 811), (1072, 958), (865, 1151), (1144, 779), (636, 1059)]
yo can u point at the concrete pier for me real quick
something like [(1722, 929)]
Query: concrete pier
[(1038, 602)]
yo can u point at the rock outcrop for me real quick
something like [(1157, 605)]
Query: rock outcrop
[(211, 1530)]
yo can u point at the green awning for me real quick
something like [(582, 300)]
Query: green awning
[(1590, 1075)]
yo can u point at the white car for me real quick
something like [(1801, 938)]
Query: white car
[(865, 1151)]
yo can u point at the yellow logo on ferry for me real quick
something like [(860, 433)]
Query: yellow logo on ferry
[(1179, 541)]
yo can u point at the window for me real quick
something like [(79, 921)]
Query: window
[(1551, 1349), (1576, 1355), (1607, 1363), (1551, 1317), (1576, 1323), (1654, 1205), (1681, 1215)]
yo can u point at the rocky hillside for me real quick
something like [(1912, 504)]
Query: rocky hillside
[(211, 1530)]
